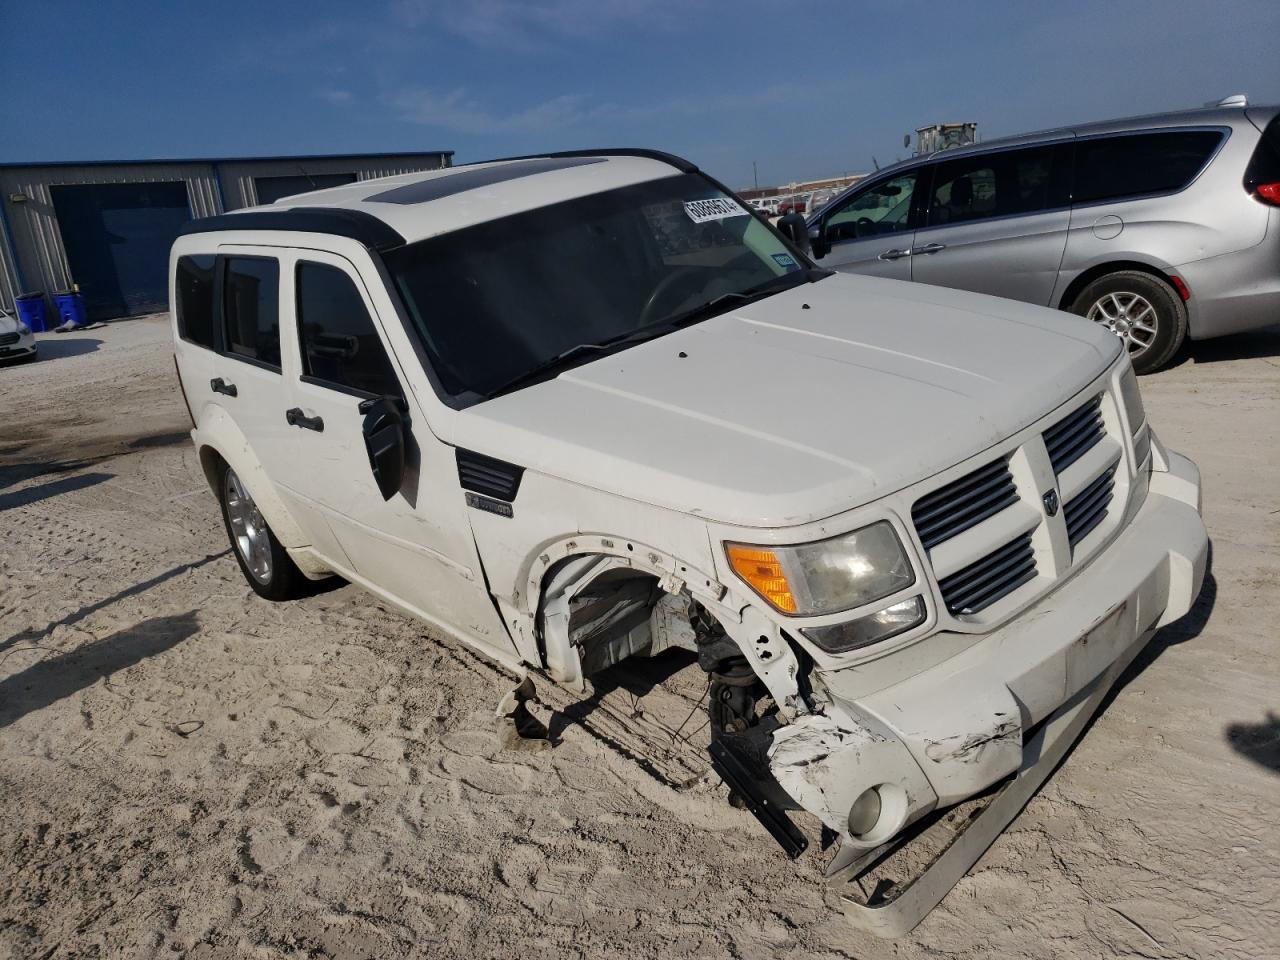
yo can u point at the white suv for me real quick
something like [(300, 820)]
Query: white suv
[(584, 407)]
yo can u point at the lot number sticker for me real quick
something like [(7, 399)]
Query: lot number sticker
[(700, 211)]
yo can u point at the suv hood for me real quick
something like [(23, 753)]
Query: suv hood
[(799, 406)]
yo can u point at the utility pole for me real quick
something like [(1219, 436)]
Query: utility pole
[(754, 175)]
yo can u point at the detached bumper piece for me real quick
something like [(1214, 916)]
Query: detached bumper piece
[(890, 890), (736, 771)]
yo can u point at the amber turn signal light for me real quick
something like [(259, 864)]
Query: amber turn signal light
[(762, 570)]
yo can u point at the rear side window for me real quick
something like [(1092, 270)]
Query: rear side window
[(1111, 168), (194, 297), (340, 344), (251, 309), (994, 185)]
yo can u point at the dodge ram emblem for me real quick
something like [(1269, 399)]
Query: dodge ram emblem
[(1051, 503)]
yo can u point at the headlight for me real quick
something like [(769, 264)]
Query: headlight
[(23, 328), (813, 579), (872, 628)]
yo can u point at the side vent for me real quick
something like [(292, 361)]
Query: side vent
[(487, 476)]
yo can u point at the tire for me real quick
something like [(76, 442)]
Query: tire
[(1143, 310), (266, 565)]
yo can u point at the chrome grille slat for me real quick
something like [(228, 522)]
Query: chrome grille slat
[(1074, 435), (8, 338), (964, 503), (987, 580)]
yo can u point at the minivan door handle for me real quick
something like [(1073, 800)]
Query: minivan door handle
[(894, 254), (296, 418), (929, 248), (218, 385)]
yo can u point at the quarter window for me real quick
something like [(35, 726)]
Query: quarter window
[(1111, 168), (340, 344), (881, 209), (194, 299), (251, 309), (991, 185)]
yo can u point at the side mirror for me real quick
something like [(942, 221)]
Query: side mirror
[(384, 442), (818, 245), (795, 229)]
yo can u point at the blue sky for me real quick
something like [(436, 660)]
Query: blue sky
[(803, 90)]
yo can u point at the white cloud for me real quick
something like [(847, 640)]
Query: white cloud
[(522, 22), (339, 98), (455, 110)]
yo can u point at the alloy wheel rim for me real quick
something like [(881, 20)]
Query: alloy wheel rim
[(248, 529), (1130, 316)]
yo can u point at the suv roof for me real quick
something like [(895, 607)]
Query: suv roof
[(1214, 116), (391, 211)]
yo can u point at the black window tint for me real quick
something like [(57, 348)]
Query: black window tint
[(251, 309), (992, 185), (195, 299), (1264, 166), (1110, 168), (339, 342)]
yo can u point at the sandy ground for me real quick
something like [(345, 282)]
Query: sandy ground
[(187, 770)]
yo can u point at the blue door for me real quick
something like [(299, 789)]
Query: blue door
[(117, 237)]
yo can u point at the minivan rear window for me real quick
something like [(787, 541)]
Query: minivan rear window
[(1134, 165), (1264, 166), (194, 299)]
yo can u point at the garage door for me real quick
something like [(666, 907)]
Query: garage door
[(117, 237)]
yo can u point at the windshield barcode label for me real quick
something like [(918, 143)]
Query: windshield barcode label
[(700, 211)]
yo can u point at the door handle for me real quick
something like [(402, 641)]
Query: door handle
[(218, 385), (296, 418), (894, 254), (930, 248)]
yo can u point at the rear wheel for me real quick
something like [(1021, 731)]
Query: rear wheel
[(263, 561), (1142, 310)]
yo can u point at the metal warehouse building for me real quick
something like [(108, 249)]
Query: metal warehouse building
[(108, 226)]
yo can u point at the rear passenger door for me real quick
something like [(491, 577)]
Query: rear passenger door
[(415, 547), (228, 306), (997, 223)]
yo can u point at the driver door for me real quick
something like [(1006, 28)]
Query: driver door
[(415, 547), (871, 231)]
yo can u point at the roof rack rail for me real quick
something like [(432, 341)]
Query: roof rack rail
[(357, 225), (681, 164)]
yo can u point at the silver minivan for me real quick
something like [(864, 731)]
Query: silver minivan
[(1161, 228)]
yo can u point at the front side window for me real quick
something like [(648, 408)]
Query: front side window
[(194, 299), (882, 209), (251, 309), (991, 185), (499, 301), (1112, 168), (340, 345)]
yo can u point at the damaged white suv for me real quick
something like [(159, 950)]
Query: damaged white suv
[(583, 407)]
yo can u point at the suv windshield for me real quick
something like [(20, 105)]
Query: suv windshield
[(501, 301)]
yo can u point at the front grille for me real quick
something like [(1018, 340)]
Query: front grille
[(996, 575), (1074, 435), (1088, 508), (963, 503), (8, 338)]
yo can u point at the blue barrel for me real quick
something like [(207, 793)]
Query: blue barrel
[(31, 310), (70, 307)]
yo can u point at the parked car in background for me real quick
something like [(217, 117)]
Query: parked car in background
[(17, 342), (584, 408), (819, 199), (797, 203), (1159, 228)]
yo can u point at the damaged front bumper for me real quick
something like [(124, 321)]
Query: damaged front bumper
[(954, 730)]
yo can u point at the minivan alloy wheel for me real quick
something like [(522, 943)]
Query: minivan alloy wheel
[(1130, 316), (248, 529)]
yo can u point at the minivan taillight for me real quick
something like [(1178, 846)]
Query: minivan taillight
[(1268, 193)]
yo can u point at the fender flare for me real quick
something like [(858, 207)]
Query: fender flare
[(219, 436)]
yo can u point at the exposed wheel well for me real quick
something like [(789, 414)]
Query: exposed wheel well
[(210, 462), (1101, 270)]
